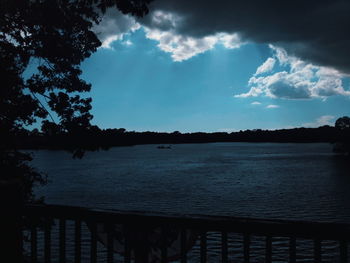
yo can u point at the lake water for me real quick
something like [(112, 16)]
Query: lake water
[(261, 180)]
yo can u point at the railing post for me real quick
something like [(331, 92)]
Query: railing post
[(317, 251), (292, 250), (246, 248), (77, 240), (47, 240), (62, 239), (110, 246), (93, 245), (11, 198), (127, 247), (34, 245), (141, 246), (224, 247), (164, 247), (183, 238), (203, 245), (343, 251), (268, 252)]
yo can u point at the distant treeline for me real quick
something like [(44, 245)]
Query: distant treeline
[(105, 138)]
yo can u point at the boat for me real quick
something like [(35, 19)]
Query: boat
[(164, 147)]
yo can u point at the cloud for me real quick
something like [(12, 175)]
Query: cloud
[(266, 66), (161, 27), (297, 80), (113, 26), (185, 47), (272, 106), (256, 103), (314, 31), (321, 121)]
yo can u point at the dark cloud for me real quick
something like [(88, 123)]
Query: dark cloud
[(314, 30), (285, 90)]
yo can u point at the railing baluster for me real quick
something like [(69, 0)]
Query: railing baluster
[(163, 245), (77, 241), (317, 251), (224, 254), (34, 244), (204, 247), (47, 239), (62, 229), (343, 251), (246, 245), (109, 243), (292, 249), (127, 249), (268, 252), (93, 244), (53, 214), (183, 245)]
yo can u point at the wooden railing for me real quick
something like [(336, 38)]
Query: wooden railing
[(136, 226)]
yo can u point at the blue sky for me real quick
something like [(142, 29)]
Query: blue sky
[(139, 86)]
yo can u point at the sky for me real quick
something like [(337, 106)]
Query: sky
[(227, 67)]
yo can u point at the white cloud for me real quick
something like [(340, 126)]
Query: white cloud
[(267, 66), (106, 43), (321, 121), (180, 47), (113, 26), (299, 80), (229, 41), (272, 106), (185, 47), (256, 103)]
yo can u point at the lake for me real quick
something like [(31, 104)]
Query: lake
[(263, 180)]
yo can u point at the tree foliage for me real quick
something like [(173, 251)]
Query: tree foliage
[(343, 139), (42, 44), (343, 123)]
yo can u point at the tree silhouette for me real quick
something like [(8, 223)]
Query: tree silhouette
[(343, 123), (42, 44), (343, 139)]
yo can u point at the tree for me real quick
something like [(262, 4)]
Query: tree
[(42, 44), (343, 128), (343, 123)]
